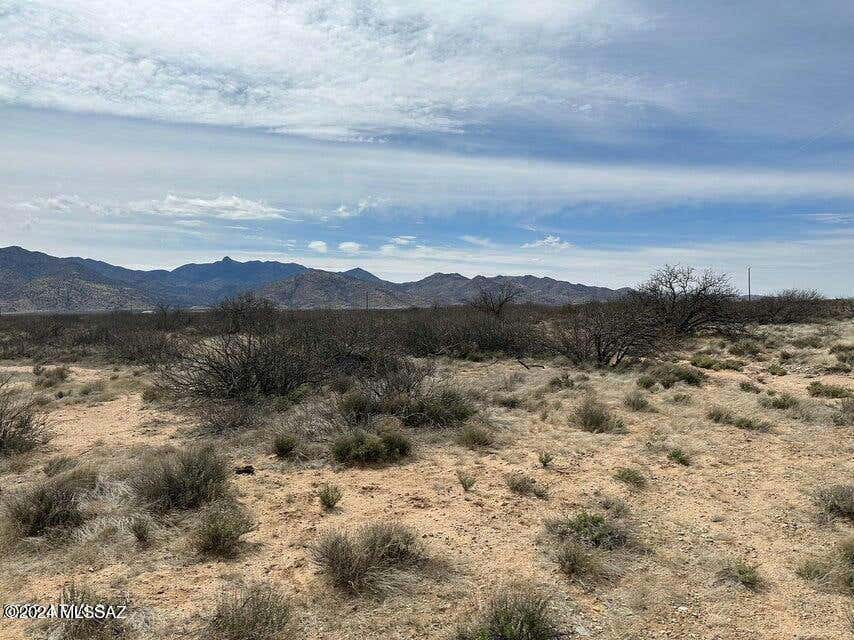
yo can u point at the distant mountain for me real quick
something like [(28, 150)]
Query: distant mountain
[(35, 281)]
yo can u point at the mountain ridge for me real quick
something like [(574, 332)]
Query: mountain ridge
[(33, 281)]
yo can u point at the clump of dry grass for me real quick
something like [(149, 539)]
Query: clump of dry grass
[(545, 458), (782, 401), (518, 612), (821, 390), (466, 480), (837, 500), (705, 361), (844, 416), (777, 370), (284, 445), (738, 571), (220, 530), (594, 417), (22, 426), (749, 387), (361, 563), (669, 374), (725, 416), (636, 401), (526, 485), (256, 612), (631, 477), (592, 530), (679, 456), (475, 435), (835, 571), (181, 479), (579, 562), (47, 377), (108, 627)]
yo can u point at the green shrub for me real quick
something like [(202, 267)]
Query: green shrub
[(745, 347), (330, 495), (739, 572), (545, 458), (525, 485), (704, 361), (220, 529), (466, 480), (519, 612), (256, 612), (782, 401), (631, 477), (594, 417), (807, 342), (365, 448), (285, 445), (749, 387), (589, 529), (821, 390), (51, 506), (646, 382), (752, 424), (181, 479), (359, 564), (679, 456), (777, 370), (636, 401), (475, 435)]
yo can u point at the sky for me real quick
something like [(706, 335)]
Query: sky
[(586, 140)]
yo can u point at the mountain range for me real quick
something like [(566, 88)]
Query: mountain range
[(31, 281)]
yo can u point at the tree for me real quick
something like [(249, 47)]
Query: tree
[(685, 301), (493, 300)]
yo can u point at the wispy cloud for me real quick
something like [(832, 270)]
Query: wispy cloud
[(550, 242), (478, 241)]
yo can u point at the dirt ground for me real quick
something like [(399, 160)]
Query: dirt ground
[(745, 495)]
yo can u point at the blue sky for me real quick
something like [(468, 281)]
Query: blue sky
[(586, 140)]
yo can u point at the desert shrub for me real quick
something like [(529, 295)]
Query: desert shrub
[(59, 464), (679, 456), (22, 426), (181, 479), (636, 401), (720, 415), (220, 528), (813, 341), (681, 398), (475, 435), (668, 374), (238, 367), (284, 444), (646, 381), (631, 477), (140, 527), (777, 370), (256, 612), (518, 612), (788, 306), (466, 480), (845, 414), (705, 361), (782, 401), (837, 500), (110, 627), (525, 485), (545, 458), (749, 387), (509, 402), (577, 561), (739, 572), (835, 571), (563, 381), (360, 563), (592, 530), (442, 408), (330, 495), (821, 390), (745, 347), (752, 424), (50, 376), (364, 448), (222, 418), (51, 506), (594, 417)]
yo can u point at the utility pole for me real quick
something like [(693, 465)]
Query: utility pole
[(748, 284)]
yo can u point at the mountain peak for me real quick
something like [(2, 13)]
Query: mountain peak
[(360, 274)]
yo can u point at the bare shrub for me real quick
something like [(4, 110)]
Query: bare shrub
[(181, 479), (223, 418), (360, 563), (494, 300), (255, 612)]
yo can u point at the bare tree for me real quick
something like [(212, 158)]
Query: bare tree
[(494, 300), (686, 301)]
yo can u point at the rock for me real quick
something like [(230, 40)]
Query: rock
[(245, 470)]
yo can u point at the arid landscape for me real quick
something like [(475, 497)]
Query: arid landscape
[(471, 473)]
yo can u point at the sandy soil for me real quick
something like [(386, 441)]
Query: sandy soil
[(745, 495)]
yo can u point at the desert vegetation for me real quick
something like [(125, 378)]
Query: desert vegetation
[(676, 462)]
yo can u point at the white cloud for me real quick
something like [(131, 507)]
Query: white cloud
[(832, 218), (477, 241), (223, 207), (549, 242), (402, 240), (349, 247), (317, 245)]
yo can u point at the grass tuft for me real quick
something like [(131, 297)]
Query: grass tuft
[(631, 477), (220, 529), (519, 612), (256, 612), (182, 479), (330, 495), (594, 417), (525, 485)]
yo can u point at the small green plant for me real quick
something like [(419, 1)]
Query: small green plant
[(752, 424), (467, 481), (594, 417), (360, 563), (330, 495), (679, 456), (255, 612), (636, 401), (821, 390), (220, 529), (631, 477), (365, 448), (777, 370), (749, 387), (745, 347), (284, 445), (545, 458), (475, 435), (592, 530), (578, 562), (525, 485), (739, 572), (518, 612)]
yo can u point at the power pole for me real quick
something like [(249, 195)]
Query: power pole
[(748, 284)]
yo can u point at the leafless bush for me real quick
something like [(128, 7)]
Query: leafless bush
[(494, 300), (22, 426)]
